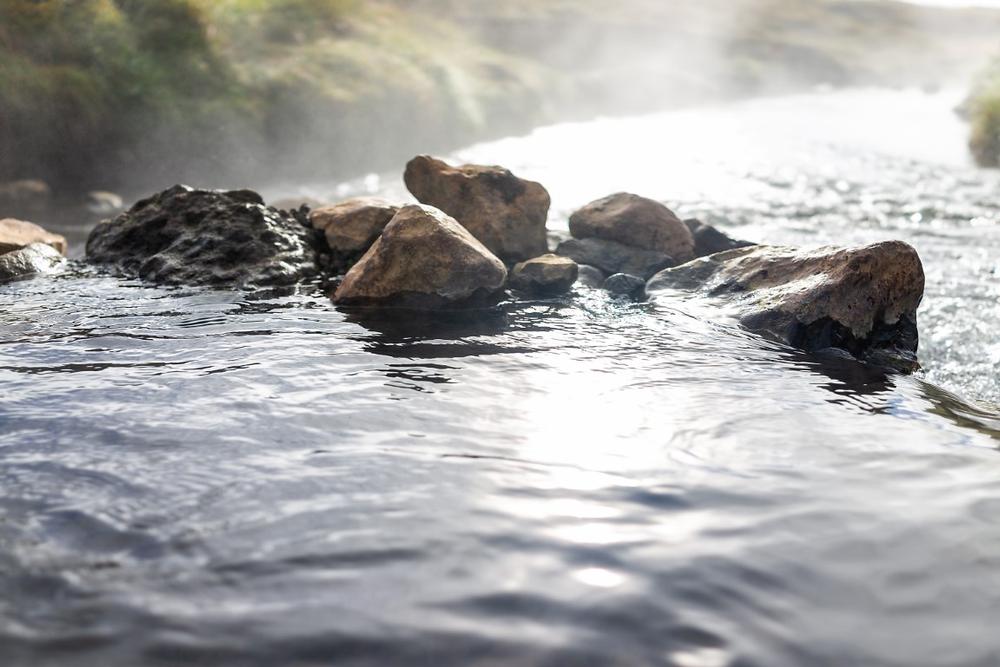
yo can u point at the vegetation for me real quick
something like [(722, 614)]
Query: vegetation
[(137, 94), (983, 111)]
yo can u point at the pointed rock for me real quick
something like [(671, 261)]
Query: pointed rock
[(506, 213), (424, 259)]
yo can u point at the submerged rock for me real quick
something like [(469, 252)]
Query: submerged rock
[(708, 240), (863, 300), (17, 234), (351, 227), (611, 257), (545, 275), (636, 222), (622, 284), (206, 237), (506, 213), (590, 276), (29, 260), (424, 259)]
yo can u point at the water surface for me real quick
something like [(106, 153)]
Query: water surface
[(190, 476)]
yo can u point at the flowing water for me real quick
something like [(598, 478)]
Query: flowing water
[(199, 477)]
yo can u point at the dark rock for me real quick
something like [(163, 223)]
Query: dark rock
[(424, 259), (622, 284), (17, 234), (506, 213), (636, 222), (611, 257), (708, 240), (590, 276), (29, 260), (351, 227), (545, 275), (862, 300), (206, 237)]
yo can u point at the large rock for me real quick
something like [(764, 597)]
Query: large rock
[(708, 240), (206, 237), (506, 213), (612, 258), (29, 260), (545, 275), (636, 222), (863, 300), (17, 234), (424, 259), (351, 227)]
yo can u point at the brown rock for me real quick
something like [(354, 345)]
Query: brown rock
[(636, 222), (352, 226), (506, 213), (863, 300), (545, 275), (423, 259), (17, 234)]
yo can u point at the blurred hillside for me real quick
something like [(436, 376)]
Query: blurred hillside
[(137, 94)]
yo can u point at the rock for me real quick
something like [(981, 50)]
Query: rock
[(17, 234), (24, 197), (622, 284), (590, 276), (424, 259), (506, 213), (862, 300), (206, 237), (611, 257), (103, 203), (29, 260), (636, 222), (351, 227), (545, 275), (708, 240)]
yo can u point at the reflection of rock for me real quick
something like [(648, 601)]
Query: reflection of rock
[(708, 240), (545, 275), (623, 284), (635, 222), (351, 227), (590, 276), (17, 234), (26, 198), (611, 257), (206, 237), (863, 300), (424, 259), (506, 213), (29, 260), (103, 203)]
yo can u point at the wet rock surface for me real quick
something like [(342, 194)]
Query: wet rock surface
[(27, 261), (424, 259), (709, 240), (636, 222), (611, 257), (506, 213), (351, 227), (590, 276), (622, 284), (545, 275), (862, 300), (17, 234), (206, 237)]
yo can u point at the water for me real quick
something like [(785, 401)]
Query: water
[(191, 476)]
